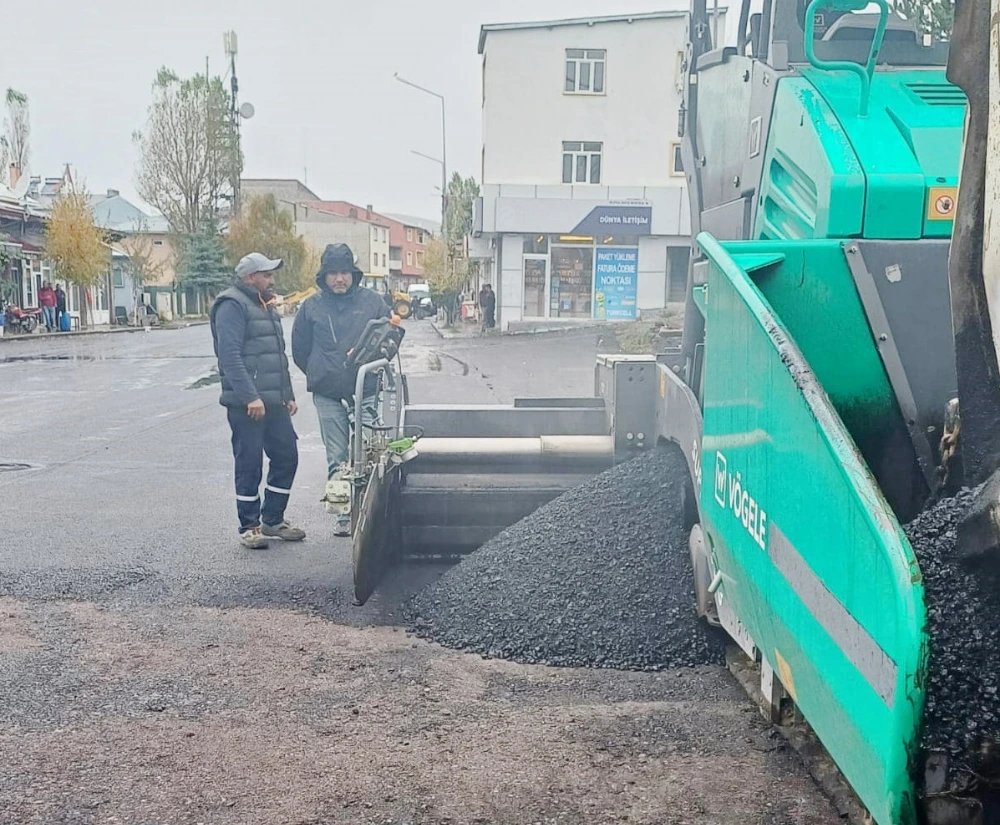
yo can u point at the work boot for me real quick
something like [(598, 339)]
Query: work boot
[(283, 531), (342, 527), (254, 539)]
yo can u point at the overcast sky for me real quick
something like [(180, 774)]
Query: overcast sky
[(318, 73)]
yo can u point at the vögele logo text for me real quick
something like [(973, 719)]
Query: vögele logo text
[(732, 493)]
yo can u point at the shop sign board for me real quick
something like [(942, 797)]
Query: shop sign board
[(613, 219), (616, 276)]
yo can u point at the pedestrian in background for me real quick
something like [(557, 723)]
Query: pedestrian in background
[(257, 394), (326, 330), (488, 305), (47, 301), (60, 305)]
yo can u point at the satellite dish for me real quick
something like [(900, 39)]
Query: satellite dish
[(246, 110)]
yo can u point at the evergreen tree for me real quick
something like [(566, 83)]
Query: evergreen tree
[(202, 262)]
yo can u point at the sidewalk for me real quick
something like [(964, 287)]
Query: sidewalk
[(103, 329), (520, 328)]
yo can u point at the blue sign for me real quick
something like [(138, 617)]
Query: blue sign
[(616, 275), (616, 220)]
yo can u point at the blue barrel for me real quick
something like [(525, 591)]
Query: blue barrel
[(65, 322)]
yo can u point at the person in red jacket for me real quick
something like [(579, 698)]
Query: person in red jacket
[(47, 301)]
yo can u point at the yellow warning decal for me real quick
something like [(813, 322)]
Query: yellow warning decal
[(785, 674), (941, 202)]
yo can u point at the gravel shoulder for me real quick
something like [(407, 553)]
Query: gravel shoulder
[(275, 716)]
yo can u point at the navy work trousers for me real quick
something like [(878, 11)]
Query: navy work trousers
[(274, 435)]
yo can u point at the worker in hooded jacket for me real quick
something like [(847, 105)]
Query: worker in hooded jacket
[(326, 329)]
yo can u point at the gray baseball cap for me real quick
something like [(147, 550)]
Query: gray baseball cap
[(255, 262)]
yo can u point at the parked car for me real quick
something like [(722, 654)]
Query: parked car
[(421, 301)]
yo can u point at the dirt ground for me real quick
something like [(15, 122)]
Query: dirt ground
[(149, 717)]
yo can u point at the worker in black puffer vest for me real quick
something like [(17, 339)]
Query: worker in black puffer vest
[(257, 393)]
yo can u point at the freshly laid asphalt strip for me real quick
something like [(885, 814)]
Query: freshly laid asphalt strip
[(962, 712), (599, 577)]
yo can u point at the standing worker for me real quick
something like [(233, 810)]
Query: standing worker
[(257, 394), (327, 327)]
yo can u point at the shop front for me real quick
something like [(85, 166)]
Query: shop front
[(572, 254), (580, 277)]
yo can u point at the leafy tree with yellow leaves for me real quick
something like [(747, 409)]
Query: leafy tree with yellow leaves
[(76, 246), (263, 227)]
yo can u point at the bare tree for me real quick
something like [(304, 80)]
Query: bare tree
[(932, 17), (189, 153), (17, 128), (143, 265)]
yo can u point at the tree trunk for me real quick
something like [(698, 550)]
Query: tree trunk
[(84, 305)]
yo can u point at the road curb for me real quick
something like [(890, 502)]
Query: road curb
[(43, 336), (566, 329)]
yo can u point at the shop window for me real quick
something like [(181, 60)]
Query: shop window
[(534, 287), (585, 69), (581, 162), (536, 245), (571, 291)]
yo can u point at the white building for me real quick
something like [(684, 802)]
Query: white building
[(584, 210)]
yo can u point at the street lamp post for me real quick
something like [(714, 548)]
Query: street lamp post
[(444, 157)]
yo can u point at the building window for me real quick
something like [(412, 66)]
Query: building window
[(420, 259), (30, 283), (585, 71), (581, 162), (677, 272), (421, 238), (119, 277), (676, 162), (383, 260), (409, 258), (409, 234)]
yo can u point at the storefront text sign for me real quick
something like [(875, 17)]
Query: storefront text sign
[(616, 274), (616, 220)]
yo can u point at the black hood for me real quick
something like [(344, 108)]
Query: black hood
[(337, 257)]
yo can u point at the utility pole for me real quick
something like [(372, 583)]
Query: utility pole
[(230, 44), (444, 159)]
